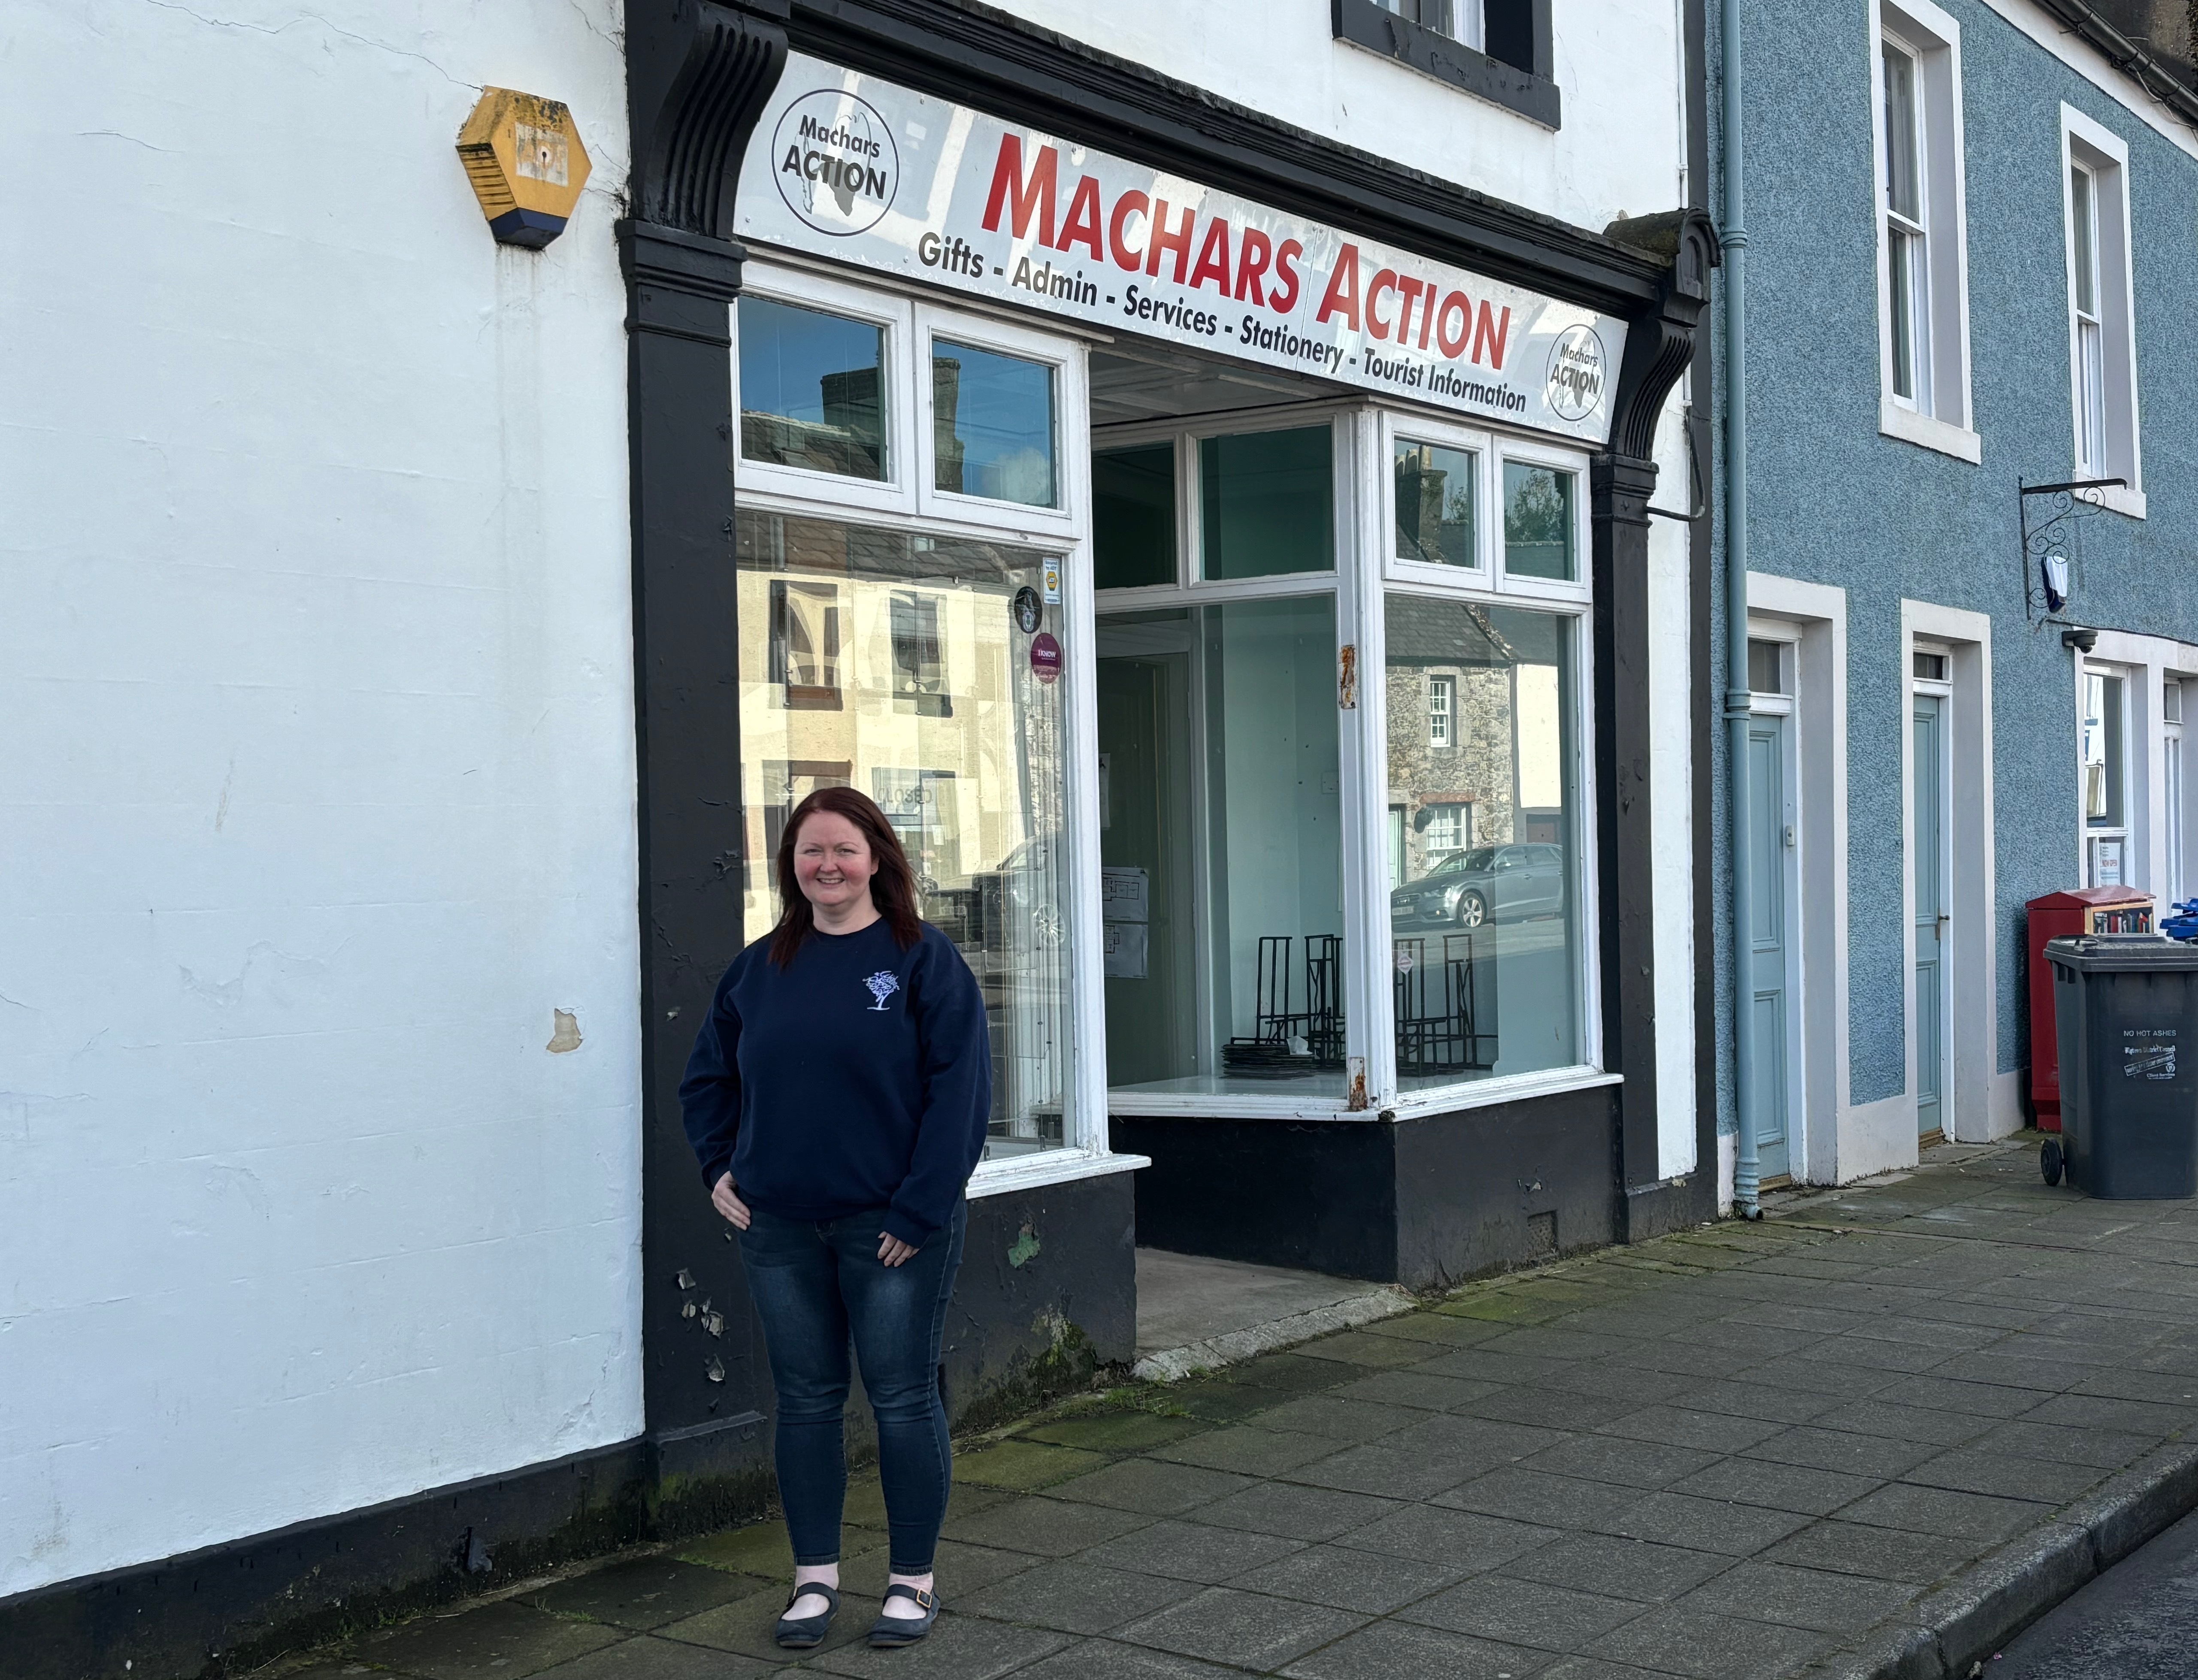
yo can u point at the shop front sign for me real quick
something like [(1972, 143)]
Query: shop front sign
[(847, 167)]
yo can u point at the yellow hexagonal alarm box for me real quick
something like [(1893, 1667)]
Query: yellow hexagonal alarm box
[(527, 163)]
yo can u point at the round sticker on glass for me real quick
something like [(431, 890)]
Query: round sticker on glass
[(1029, 613), (1045, 657)]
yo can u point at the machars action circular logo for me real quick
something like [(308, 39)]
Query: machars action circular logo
[(838, 167), (1577, 372)]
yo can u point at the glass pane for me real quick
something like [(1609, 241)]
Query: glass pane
[(1434, 503), (1267, 500), (1899, 264), (812, 389), (1133, 516), (2103, 751), (1931, 668), (2083, 236), (992, 427), (1902, 194), (1537, 522), (900, 665), (1484, 924), (1264, 786), (1765, 675), (2091, 399)]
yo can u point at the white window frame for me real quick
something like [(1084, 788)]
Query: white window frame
[(1398, 429), (1443, 690), (1549, 590), (1067, 359), (1939, 415), (2104, 156), (1468, 22), (1085, 1151), (896, 493)]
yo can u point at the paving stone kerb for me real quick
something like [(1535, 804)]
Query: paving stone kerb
[(1874, 1436)]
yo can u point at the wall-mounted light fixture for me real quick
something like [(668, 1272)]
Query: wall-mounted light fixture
[(527, 163)]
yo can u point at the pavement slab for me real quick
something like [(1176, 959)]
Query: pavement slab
[(1745, 1452)]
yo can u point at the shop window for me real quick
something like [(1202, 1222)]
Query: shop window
[(993, 426), (1485, 927), (813, 390), (1442, 698), (948, 717), (1259, 784), (1267, 503), (1540, 539), (1434, 503), (1133, 516)]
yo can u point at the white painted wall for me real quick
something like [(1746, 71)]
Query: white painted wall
[(1618, 152), (316, 793)]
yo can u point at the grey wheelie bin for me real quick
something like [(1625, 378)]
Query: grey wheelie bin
[(2126, 1007)]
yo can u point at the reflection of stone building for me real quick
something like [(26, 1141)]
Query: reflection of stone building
[(1476, 738)]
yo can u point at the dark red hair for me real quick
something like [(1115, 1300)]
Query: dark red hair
[(893, 888)]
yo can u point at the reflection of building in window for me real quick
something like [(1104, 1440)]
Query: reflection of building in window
[(1541, 789), (1450, 828), (919, 656), (948, 452), (805, 644), (1442, 696), (975, 792), (920, 806)]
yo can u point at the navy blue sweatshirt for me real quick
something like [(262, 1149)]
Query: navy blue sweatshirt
[(858, 1076)]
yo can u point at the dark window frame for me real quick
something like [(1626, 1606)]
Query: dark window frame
[(1527, 89)]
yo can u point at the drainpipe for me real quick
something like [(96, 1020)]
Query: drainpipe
[(1746, 1167)]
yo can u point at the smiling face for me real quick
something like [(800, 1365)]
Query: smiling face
[(833, 864)]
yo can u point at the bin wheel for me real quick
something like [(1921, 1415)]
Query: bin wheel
[(2049, 1160)]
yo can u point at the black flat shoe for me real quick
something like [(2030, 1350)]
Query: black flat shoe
[(799, 1633), (889, 1631)]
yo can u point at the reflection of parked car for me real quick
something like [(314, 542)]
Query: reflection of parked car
[(1488, 883)]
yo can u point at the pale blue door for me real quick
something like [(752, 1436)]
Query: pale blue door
[(1931, 918), (1770, 936)]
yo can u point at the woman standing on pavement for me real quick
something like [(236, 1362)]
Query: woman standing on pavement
[(836, 1099)]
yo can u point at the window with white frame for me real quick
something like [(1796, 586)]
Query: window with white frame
[(2102, 331), (2105, 758), (1232, 556), (1924, 310), (909, 498)]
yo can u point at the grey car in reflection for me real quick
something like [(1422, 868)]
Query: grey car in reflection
[(1483, 884)]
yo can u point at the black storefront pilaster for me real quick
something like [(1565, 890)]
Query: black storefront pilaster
[(698, 76), (1621, 479)]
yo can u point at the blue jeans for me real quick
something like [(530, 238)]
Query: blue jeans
[(813, 1286)]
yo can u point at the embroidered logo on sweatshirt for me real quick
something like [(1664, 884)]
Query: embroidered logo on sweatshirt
[(882, 985)]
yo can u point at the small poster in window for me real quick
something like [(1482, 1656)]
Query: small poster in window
[(1053, 583), (2106, 862), (1123, 948), (1124, 896)]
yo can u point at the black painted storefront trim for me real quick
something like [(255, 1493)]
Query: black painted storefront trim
[(226, 1609), (1426, 1202), (1527, 90)]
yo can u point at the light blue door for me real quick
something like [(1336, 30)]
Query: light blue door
[(1769, 938), (1931, 918)]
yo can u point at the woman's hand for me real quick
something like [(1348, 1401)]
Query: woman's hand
[(891, 1250), (724, 1200)]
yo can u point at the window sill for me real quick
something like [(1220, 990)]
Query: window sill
[(1362, 24), (1412, 1105), (2120, 499), (1926, 432), (1488, 1093), (1049, 1167)]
